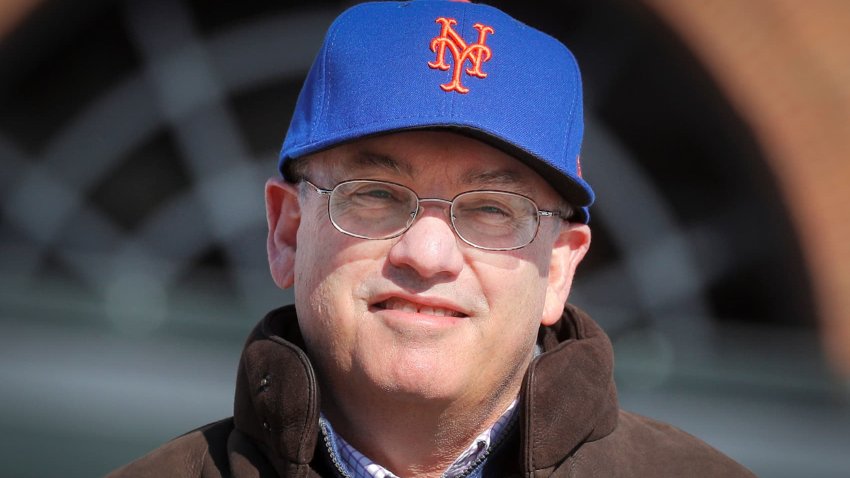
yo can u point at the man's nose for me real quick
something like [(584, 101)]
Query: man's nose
[(429, 246)]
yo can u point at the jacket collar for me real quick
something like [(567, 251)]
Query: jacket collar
[(277, 395), (568, 395)]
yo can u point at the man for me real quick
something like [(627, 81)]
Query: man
[(431, 219)]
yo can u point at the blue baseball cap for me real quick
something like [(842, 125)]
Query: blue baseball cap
[(436, 64)]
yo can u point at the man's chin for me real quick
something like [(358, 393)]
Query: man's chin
[(419, 382), (432, 394)]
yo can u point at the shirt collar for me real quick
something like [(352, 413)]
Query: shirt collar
[(356, 465)]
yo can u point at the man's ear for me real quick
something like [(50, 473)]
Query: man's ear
[(569, 249), (283, 213)]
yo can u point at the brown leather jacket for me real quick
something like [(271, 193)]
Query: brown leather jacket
[(569, 426)]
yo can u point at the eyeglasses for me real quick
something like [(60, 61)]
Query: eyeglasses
[(491, 220)]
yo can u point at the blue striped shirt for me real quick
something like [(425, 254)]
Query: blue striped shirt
[(354, 464)]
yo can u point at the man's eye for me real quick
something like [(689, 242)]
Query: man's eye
[(487, 213), (376, 194), (492, 210)]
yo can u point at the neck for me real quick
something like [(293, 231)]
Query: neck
[(413, 439)]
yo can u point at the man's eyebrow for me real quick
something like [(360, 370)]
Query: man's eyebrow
[(480, 178), (371, 160), (497, 179)]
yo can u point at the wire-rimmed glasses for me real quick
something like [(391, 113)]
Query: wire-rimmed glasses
[(490, 220)]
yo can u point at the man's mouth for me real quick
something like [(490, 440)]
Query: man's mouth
[(395, 303)]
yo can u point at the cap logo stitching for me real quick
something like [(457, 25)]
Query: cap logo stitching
[(475, 54)]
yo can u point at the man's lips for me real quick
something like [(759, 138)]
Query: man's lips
[(426, 308)]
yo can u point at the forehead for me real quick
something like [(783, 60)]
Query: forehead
[(418, 157)]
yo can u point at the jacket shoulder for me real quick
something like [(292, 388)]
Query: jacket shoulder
[(641, 446), (200, 453)]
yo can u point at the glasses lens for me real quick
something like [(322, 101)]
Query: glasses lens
[(495, 220), (372, 209)]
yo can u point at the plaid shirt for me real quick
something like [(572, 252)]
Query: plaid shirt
[(354, 464)]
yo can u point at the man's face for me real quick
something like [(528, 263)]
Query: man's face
[(423, 316)]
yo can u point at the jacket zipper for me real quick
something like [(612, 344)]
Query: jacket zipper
[(332, 453), (493, 446)]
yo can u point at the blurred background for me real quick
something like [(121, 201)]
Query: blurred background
[(135, 137)]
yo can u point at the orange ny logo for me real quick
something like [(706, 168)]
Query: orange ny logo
[(476, 53)]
